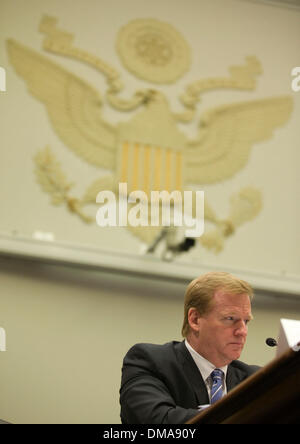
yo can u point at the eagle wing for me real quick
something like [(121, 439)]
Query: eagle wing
[(74, 107), (227, 134)]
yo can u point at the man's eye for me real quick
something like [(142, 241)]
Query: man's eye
[(229, 318)]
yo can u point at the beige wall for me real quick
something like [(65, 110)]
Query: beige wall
[(68, 330)]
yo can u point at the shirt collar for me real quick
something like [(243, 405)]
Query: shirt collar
[(205, 367)]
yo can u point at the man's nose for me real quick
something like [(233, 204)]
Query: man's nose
[(241, 329)]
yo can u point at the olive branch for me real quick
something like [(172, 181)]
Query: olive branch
[(53, 181)]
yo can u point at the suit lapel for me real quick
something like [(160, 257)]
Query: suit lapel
[(231, 381), (193, 374), (234, 375)]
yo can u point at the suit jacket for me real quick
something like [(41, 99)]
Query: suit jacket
[(161, 384)]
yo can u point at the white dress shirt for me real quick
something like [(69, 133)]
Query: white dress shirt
[(205, 368)]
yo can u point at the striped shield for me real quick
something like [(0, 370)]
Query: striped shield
[(149, 168)]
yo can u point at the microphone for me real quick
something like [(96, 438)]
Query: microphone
[(271, 342)]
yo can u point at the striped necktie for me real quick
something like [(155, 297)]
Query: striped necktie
[(217, 385)]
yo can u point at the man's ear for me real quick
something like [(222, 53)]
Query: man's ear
[(194, 319)]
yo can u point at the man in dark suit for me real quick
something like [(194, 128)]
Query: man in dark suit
[(168, 384)]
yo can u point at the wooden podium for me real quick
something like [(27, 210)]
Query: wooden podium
[(270, 396)]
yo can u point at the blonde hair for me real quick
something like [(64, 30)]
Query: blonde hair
[(200, 292)]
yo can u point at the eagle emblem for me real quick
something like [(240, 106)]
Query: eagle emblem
[(151, 150)]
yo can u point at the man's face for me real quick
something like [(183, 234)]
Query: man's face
[(223, 331)]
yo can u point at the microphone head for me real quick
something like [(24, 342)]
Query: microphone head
[(271, 342)]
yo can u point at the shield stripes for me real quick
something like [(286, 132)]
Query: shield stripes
[(150, 168)]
